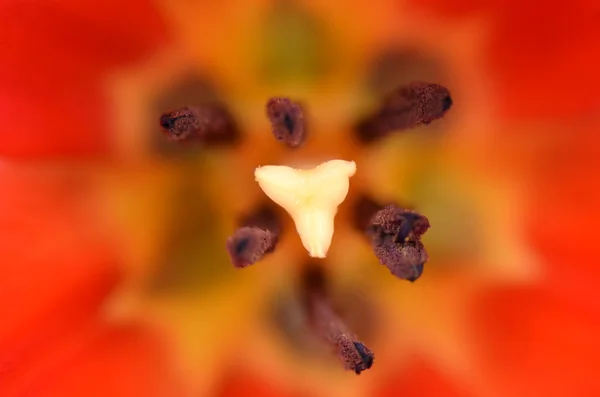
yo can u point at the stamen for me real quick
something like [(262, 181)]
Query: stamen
[(263, 217), (364, 209), (257, 237), (248, 245), (406, 107), (207, 124), (398, 65), (329, 326), (287, 121), (395, 235)]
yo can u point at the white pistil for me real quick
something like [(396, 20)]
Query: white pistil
[(311, 197)]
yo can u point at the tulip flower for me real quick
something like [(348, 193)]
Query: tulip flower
[(298, 198)]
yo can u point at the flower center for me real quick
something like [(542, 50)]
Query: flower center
[(312, 196)]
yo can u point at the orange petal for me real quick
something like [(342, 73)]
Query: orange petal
[(451, 8), (533, 342), (246, 383), (118, 362), (564, 214), (55, 58), (420, 379), (543, 340), (55, 269)]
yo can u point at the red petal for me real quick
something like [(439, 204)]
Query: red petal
[(55, 270), (67, 121), (55, 57), (74, 41), (543, 60)]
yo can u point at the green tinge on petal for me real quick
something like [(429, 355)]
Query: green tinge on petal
[(445, 200), (194, 253), (294, 46)]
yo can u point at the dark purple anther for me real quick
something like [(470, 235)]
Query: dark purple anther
[(208, 124), (329, 326), (287, 121), (257, 236), (248, 245), (406, 107), (396, 238)]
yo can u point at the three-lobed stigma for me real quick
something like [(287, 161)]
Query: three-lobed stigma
[(310, 196)]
